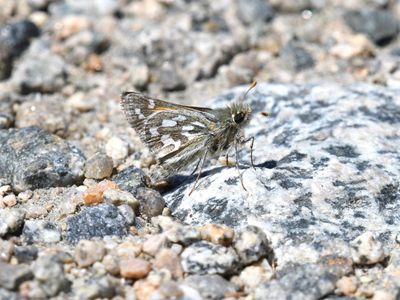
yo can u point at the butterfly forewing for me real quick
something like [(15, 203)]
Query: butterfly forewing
[(176, 134)]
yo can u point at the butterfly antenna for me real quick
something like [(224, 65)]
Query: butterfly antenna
[(252, 86)]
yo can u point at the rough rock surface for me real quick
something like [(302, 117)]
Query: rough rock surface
[(31, 158), (326, 170)]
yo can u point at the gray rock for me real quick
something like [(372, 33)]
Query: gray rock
[(96, 221), (210, 286), (25, 254), (297, 57), (11, 276), (182, 234), (6, 250), (206, 258), (98, 166), (11, 220), (32, 158), (95, 287), (151, 202), (129, 179), (321, 174), (379, 25), (40, 71), (118, 197), (252, 244), (255, 11), (41, 231), (308, 281), (14, 39), (49, 272), (7, 295)]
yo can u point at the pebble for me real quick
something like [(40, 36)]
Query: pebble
[(11, 276), (25, 195), (297, 57), (88, 252), (99, 166), (217, 234), (8, 201), (111, 264), (119, 197), (347, 285), (6, 250), (253, 276), (206, 258), (48, 270), (366, 250), (41, 231), (154, 243), (379, 25), (170, 260), (210, 286), (254, 12), (25, 254), (128, 250), (252, 244), (42, 160), (151, 202), (97, 221), (14, 39), (102, 287), (11, 220), (168, 290), (129, 179), (134, 268), (5, 189), (95, 194), (117, 149), (185, 235)]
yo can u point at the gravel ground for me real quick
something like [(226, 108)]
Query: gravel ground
[(320, 218)]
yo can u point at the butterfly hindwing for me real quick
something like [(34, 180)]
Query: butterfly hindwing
[(177, 134)]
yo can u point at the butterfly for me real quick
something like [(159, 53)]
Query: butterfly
[(181, 135)]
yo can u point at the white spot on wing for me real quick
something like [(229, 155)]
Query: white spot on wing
[(137, 111), (167, 140), (151, 104), (154, 132), (168, 123), (199, 124), (187, 128)]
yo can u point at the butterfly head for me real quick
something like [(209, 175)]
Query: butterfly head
[(240, 114)]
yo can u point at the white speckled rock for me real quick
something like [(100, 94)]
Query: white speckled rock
[(327, 170)]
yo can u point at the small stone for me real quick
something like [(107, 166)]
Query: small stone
[(347, 285), (210, 286), (111, 264), (89, 252), (143, 289), (128, 213), (41, 231), (139, 75), (32, 289), (253, 276), (297, 57), (40, 160), (5, 189), (25, 254), (170, 79), (151, 202), (99, 287), (134, 268), (169, 290), (94, 194), (251, 244), (129, 179), (217, 234), (154, 243), (118, 197), (25, 195), (10, 200), (49, 271), (6, 250), (79, 102), (97, 221), (70, 25), (367, 250), (11, 220), (128, 250), (99, 166), (11, 276), (170, 260), (185, 235), (206, 258), (379, 25), (253, 12), (116, 148), (385, 295)]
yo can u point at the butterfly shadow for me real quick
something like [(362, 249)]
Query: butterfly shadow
[(178, 181)]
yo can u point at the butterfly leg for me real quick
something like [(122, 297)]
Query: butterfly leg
[(197, 166), (227, 159), (203, 159), (237, 165), (251, 148)]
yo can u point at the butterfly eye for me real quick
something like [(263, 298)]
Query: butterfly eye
[(238, 118)]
